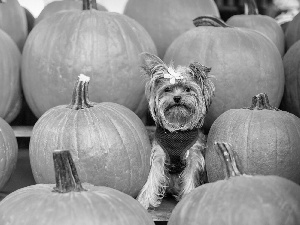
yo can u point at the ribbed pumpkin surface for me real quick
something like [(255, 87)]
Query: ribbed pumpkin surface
[(38, 204), (13, 21), (166, 20), (57, 6), (266, 142), (103, 45), (242, 200), (108, 142), (10, 86), (8, 152)]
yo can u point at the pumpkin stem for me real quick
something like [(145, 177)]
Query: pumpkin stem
[(89, 4), (80, 97), (209, 21), (250, 7), (260, 102), (65, 172), (227, 157)]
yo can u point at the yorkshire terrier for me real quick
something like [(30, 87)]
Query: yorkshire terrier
[(178, 102)]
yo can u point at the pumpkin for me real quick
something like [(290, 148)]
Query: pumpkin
[(109, 142), (13, 21), (292, 32), (68, 201), (291, 63), (30, 20), (8, 152), (166, 20), (102, 45), (243, 63), (261, 23), (239, 199), (10, 85), (57, 6), (266, 138)]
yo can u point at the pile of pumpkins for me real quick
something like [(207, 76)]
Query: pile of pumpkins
[(77, 67)]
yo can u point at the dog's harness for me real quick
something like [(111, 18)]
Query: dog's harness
[(175, 144)]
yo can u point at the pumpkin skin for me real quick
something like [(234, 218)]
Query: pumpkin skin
[(292, 32), (102, 45), (108, 141), (57, 6), (13, 21), (267, 141), (71, 204), (166, 20), (244, 63), (264, 24), (8, 152), (240, 199), (290, 99), (10, 85)]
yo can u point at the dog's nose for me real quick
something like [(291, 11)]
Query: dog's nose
[(177, 99)]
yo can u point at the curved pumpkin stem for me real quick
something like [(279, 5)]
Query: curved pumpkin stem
[(89, 4), (260, 102), (209, 21), (250, 7), (65, 172), (229, 163), (80, 97)]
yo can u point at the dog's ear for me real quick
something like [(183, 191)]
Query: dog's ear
[(200, 73), (151, 63)]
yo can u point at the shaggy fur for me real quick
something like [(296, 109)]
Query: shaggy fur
[(178, 101)]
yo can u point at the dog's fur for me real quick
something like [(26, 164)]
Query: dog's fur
[(178, 102)]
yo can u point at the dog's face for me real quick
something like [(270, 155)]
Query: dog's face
[(178, 98)]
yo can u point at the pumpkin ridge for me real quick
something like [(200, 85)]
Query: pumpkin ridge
[(135, 134)]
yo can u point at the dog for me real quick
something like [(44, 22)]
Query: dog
[(178, 100)]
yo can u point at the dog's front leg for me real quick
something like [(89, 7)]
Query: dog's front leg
[(192, 175), (154, 189)]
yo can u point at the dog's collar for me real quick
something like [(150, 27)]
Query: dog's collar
[(175, 144)]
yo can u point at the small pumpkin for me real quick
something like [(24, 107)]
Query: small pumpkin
[(239, 199), (244, 62), (291, 62), (109, 142), (264, 24), (8, 152), (102, 45), (13, 21), (267, 141), (57, 6), (68, 202), (166, 20), (10, 85)]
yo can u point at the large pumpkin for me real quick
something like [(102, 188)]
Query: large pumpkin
[(102, 45), (267, 141), (8, 152), (13, 21), (57, 6), (10, 85), (261, 23), (291, 62), (166, 20), (240, 199), (243, 61), (68, 202), (108, 141)]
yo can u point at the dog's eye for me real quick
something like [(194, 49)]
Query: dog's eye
[(187, 89), (167, 89)]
